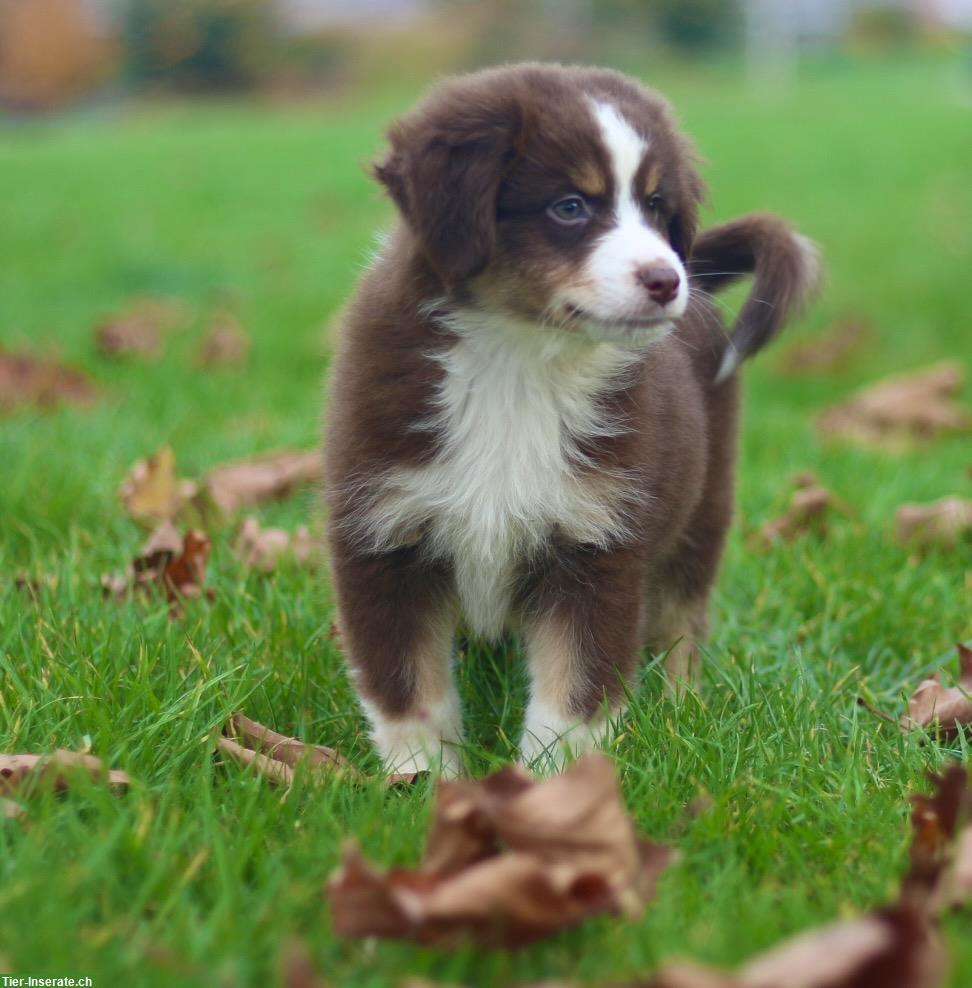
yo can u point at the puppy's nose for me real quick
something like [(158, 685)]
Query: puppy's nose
[(662, 282)]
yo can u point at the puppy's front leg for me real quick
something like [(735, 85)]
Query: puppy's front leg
[(397, 619), (582, 630)]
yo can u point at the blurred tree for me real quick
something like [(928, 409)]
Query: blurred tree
[(50, 53), (698, 25), (198, 44)]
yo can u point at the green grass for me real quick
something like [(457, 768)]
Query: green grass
[(201, 873)]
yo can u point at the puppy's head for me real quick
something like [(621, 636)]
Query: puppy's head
[(563, 197)]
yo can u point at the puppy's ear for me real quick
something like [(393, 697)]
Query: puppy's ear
[(444, 172), (684, 224)]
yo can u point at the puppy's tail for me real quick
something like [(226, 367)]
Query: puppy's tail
[(785, 268)]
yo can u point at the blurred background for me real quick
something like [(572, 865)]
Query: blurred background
[(60, 53)]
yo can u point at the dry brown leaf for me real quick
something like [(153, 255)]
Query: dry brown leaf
[(685, 974), (929, 883), (509, 859), (941, 707), (26, 379), (810, 507), (274, 771), (10, 810), (244, 483), (27, 773), (281, 751), (960, 892), (298, 969), (901, 410), (831, 352), (138, 328), (174, 563), (263, 548), (944, 522), (152, 492), (891, 948), (35, 586), (225, 343), (275, 756)]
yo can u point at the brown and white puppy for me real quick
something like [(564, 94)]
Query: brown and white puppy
[(532, 420)]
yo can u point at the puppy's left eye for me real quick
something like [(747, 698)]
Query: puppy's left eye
[(655, 202), (570, 210)]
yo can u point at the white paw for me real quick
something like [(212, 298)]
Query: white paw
[(550, 740), (427, 742)]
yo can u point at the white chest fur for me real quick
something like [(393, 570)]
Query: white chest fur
[(511, 406)]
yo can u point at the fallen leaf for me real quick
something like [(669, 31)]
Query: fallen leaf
[(26, 773), (185, 572), (901, 410), (928, 883), (275, 755), (960, 892), (138, 328), (941, 707), (810, 506), (828, 353), (10, 810), (225, 343), (297, 968), (35, 586), (509, 860), (262, 478), (26, 379), (685, 974), (174, 563), (263, 548), (152, 492), (944, 522), (890, 948)]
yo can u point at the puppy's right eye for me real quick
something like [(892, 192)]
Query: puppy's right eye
[(570, 210)]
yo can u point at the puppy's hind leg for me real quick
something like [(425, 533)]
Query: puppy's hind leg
[(677, 627), (676, 618), (397, 620)]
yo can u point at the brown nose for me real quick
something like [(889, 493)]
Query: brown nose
[(661, 282)]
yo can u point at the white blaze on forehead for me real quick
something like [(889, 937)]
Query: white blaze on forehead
[(610, 290), (626, 147)]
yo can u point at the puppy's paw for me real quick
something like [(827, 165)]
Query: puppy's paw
[(424, 742), (550, 740)]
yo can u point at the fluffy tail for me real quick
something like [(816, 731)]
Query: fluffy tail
[(785, 268)]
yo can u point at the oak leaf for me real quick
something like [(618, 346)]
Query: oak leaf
[(26, 379), (890, 948), (138, 328), (901, 410), (263, 548), (243, 483), (943, 708), (152, 492), (509, 860), (225, 343), (275, 756), (810, 507), (831, 352), (23, 774), (168, 561), (944, 522)]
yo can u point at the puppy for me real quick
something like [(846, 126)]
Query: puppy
[(532, 420)]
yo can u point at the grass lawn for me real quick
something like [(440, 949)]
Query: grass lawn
[(201, 872)]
